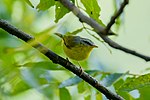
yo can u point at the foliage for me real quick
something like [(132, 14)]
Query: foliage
[(23, 68)]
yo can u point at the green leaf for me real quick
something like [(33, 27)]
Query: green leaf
[(11, 83), (93, 9), (39, 80), (45, 4), (64, 94), (75, 80), (124, 94), (118, 84), (60, 11), (136, 83), (87, 97), (19, 87), (49, 91), (29, 3), (29, 78), (144, 93), (75, 32), (81, 87), (112, 78), (71, 81), (44, 65), (99, 96)]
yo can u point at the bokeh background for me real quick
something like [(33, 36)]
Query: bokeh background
[(133, 33)]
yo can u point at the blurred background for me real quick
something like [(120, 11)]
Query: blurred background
[(25, 73)]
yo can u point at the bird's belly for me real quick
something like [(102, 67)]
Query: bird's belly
[(77, 53)]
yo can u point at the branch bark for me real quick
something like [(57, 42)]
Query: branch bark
[(116, 15), (58, 60), (101, 30)]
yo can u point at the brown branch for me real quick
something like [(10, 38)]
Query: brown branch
[(100, 30), (116, 15), (59, 60)]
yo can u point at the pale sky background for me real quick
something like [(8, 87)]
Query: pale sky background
[(133, 34)]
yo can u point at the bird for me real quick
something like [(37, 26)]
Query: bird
[(76, 47)]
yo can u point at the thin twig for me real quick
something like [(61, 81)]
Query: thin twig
[(96, 37), (116, 15), (58, 60), (100, 30)]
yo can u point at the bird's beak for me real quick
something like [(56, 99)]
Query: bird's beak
[(94, 46)]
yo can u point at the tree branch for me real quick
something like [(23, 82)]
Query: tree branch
[(116, 15), (101, 30), (59, 60)]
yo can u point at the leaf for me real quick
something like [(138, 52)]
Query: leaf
[(87, 97), (64, 94), (29, 3), (136, 83), (118, 84), (29, 78), (81, 87), (124, 94), (93, 9), (70, 82), (112, 78), (19, 87), (60, 11), (45, 4), (49, 91), (75, 80), (39, 80), (11, 83), (144, 93), (44, 64), (99, 96), (76, 31)]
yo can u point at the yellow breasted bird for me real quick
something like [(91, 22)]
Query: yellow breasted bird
[(76, 47)]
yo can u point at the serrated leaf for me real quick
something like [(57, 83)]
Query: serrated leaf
[(110, 79), (29, 3), (60, 11), (136, 83), (44, 65), (64, 94), (71, 81), (93, 9), (45, 4)]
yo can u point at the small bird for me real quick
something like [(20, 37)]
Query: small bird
[(76, 47)]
